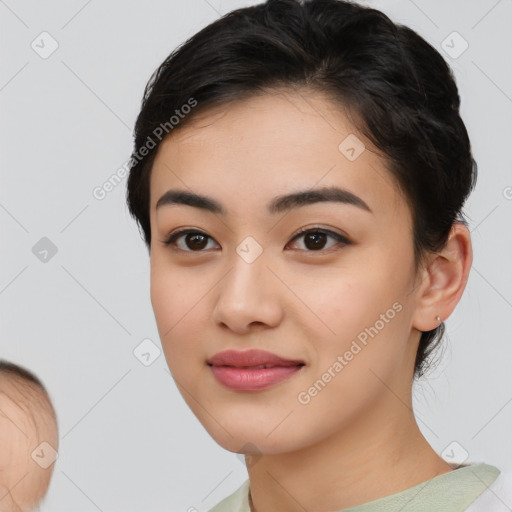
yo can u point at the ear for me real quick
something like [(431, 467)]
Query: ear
[(444, 279)]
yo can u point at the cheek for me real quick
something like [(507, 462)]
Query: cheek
[(369, 318), (26, 480), (171, 293), (348, 300), (178, 299), (365, 319)]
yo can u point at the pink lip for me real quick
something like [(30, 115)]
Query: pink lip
[(235, 369)]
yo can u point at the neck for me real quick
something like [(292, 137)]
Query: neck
[(380, 454)]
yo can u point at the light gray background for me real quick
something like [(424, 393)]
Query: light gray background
[(128, 441)]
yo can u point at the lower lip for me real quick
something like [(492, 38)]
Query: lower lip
[(252, 379)]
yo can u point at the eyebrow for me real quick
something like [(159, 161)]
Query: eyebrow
[(277, 205)]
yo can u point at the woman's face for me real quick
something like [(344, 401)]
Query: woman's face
[(341, 300)]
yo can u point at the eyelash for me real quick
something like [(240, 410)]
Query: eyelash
[(340, 238)]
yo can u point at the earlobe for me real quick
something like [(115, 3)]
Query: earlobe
[(445, 279)]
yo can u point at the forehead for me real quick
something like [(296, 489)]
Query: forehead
[(270, 144), (23, 400)]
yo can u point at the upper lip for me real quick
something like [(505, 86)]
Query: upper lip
[(250, 358)]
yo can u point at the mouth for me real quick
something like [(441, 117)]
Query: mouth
[(260, 366), (251, 359), (252, 370)]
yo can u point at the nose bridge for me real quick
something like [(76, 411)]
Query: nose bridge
[(244, 281), (244, 295)]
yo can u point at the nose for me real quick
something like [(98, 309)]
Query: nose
[(248, 298)]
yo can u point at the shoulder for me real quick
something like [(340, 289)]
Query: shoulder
[(497, 497), (236, 502)]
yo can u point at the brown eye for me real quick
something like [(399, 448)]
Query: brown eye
[(196, 240), (192, 241), (316, 239)]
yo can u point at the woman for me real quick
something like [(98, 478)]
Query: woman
[(299, 173)]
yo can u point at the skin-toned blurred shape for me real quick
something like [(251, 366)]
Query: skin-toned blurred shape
[(27, 419)]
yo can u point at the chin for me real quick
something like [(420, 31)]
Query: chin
[(247, 437)]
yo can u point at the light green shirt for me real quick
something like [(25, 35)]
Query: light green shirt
[(450, 492)]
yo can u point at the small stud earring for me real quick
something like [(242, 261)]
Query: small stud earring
[(438, 319)]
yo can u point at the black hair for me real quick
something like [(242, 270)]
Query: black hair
[(399, 91)]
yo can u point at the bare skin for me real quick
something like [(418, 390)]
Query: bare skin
[(355, 440), (26, 420)]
